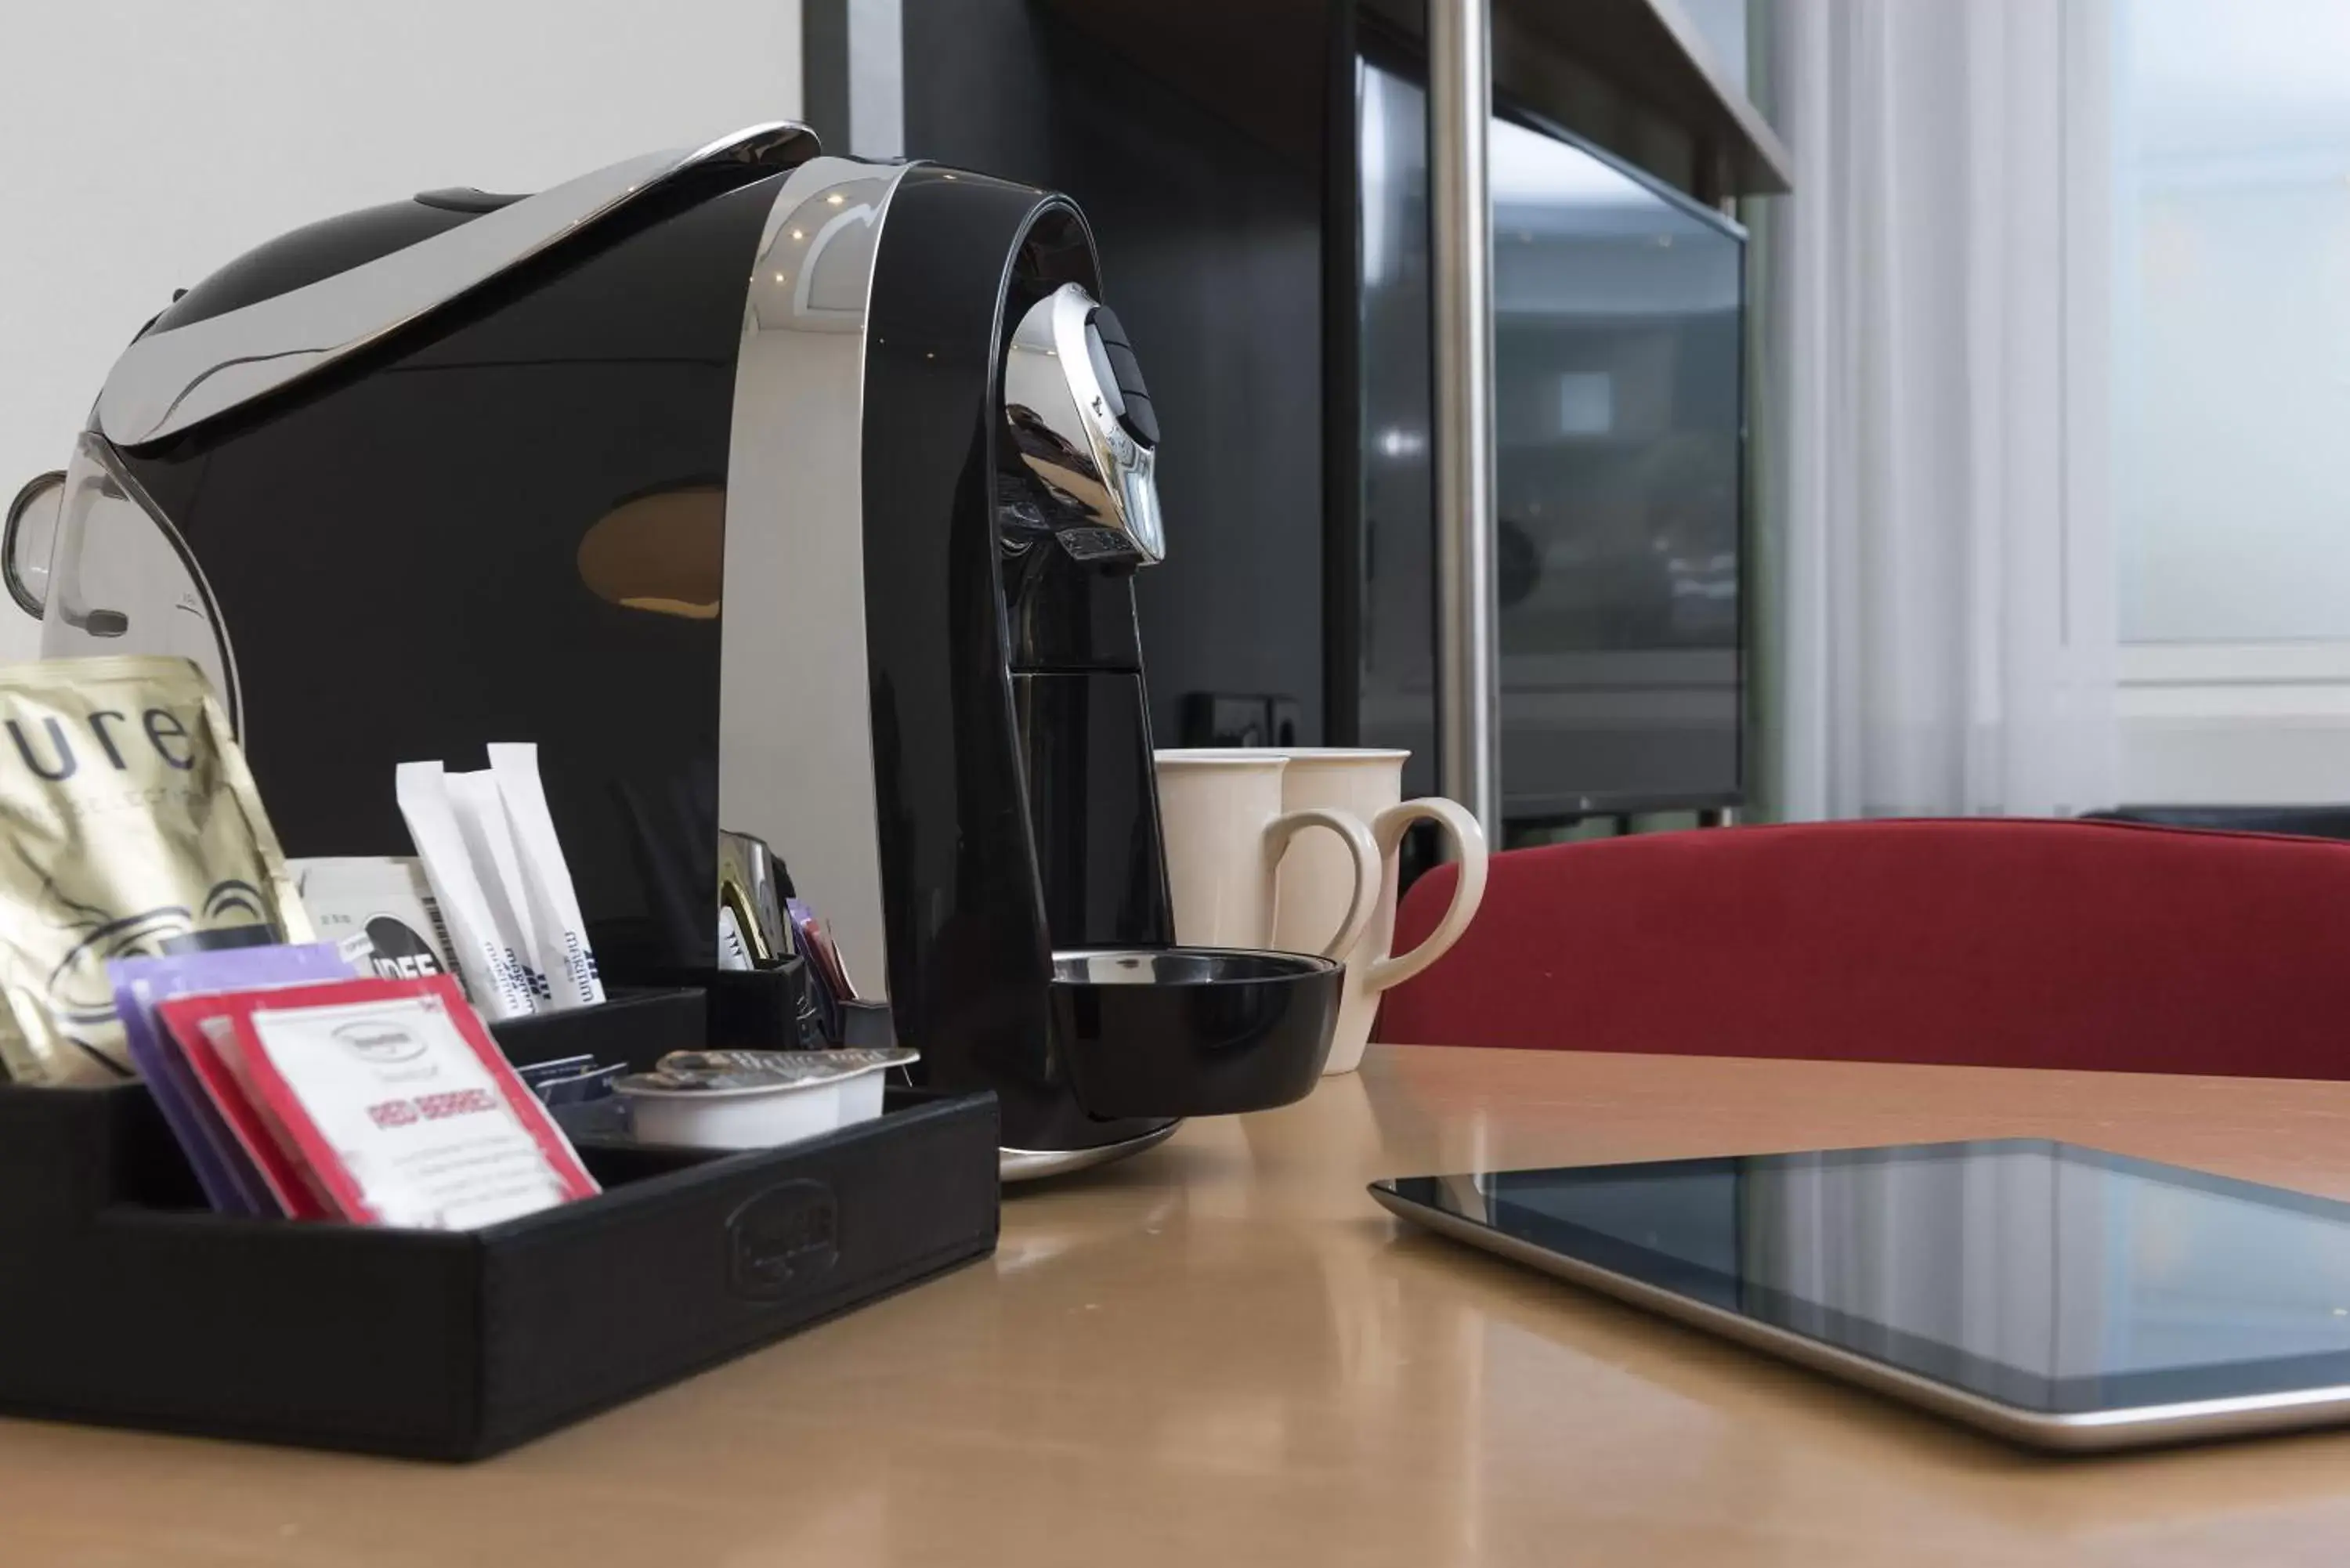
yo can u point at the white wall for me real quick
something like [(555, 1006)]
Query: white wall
[(144, 142)]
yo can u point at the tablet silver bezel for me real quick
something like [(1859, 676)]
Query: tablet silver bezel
[(2092, 1431)]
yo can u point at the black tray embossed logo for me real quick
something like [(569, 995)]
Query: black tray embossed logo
[(782, 1241)]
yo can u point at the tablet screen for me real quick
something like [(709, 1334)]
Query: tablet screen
[(2045, 1275)]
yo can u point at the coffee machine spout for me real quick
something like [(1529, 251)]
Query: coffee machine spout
[(1083, 424)]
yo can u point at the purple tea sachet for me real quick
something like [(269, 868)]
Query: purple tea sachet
[(226, 1173)]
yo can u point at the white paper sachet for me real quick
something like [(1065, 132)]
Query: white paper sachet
[(568, 963), (495, 982), (497, 866)]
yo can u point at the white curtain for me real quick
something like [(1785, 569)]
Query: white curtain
[(1938, 328)]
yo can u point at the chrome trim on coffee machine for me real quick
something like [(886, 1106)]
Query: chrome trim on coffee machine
[(794, 715), (174, 378), (1068, 417)]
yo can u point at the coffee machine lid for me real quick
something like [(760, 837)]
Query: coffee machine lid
[(175, 377)]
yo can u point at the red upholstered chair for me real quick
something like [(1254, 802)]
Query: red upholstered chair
[(2006, 943)]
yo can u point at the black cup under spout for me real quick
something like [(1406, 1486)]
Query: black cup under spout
[(1193, 1032)]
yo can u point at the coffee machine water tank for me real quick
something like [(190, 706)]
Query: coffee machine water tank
[(754, 510)]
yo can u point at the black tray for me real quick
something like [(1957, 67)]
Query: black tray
[(124, 1301), (636, 1026), (770, 1008), (750, 1010)]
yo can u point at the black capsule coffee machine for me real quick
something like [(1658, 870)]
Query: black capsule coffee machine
[(786, 494)]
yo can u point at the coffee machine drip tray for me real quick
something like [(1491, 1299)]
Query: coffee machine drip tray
[(1029, 1164)]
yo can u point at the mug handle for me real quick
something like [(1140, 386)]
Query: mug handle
[(1289, 825), (1469, 840)]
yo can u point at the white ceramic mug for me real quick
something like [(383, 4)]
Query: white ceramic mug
[(1369, 785), (1220, 815)]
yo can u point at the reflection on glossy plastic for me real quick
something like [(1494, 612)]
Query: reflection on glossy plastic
[(30, 536), (663, 553), (121, 580)]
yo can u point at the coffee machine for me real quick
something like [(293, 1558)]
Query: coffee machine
[(769, 492)]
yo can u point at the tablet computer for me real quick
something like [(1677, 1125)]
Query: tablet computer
[(2053, 1295)]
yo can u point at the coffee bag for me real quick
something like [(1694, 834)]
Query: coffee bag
[(129, 827)]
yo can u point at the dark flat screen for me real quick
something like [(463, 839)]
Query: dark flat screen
[(2044, 1275), (1618, 449)]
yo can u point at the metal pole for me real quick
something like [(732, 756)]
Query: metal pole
[(1467, 676)]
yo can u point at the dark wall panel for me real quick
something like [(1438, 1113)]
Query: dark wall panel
[(1209, 223)]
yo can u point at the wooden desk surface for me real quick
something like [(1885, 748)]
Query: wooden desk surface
[(1221, 1353)]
